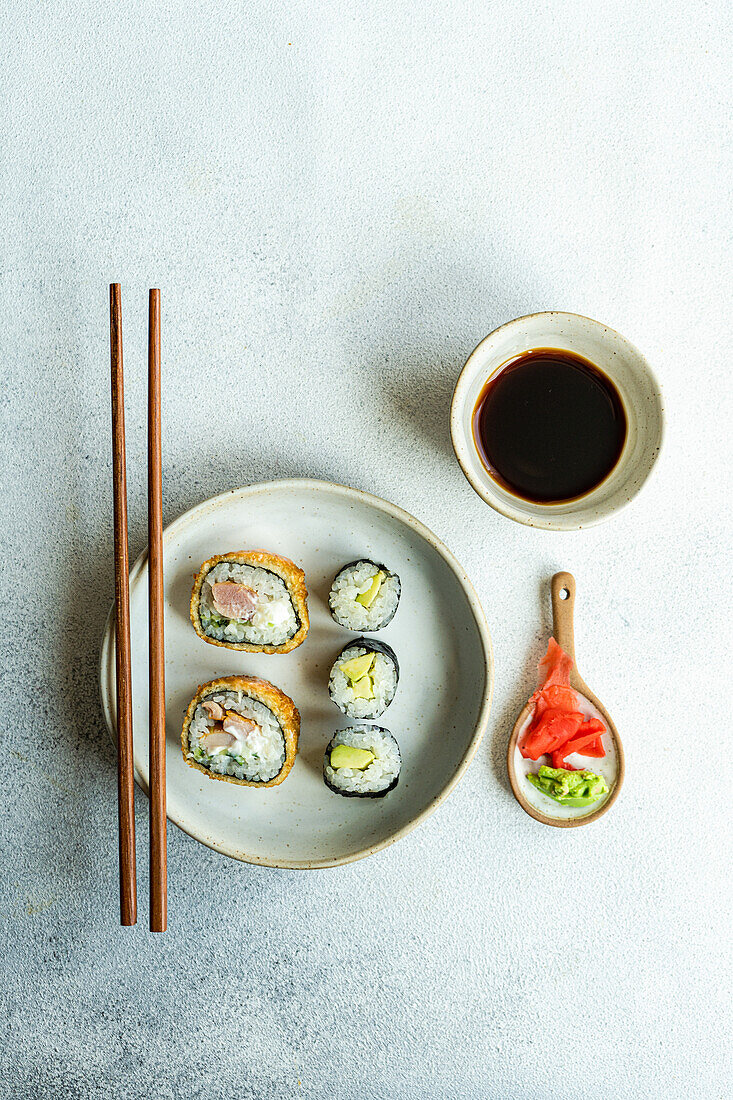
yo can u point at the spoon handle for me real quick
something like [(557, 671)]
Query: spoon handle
[(563, 606)]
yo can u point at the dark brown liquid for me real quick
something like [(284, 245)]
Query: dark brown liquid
[(549, 426)]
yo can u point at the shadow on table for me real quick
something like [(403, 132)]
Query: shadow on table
[(502, 722)]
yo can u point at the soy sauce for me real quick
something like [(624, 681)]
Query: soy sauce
[(550, 426)]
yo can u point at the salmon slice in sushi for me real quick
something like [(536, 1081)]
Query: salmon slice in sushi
[(243, 730), (250, 600)]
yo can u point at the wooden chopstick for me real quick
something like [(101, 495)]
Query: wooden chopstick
[(156, 658), (125, 766)]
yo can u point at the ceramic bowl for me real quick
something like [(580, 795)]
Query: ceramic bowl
[(619, 360)]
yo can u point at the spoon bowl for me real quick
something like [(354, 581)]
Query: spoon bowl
[(563, 605)]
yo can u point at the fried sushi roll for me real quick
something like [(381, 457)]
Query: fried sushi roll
[(243, 730), (364, 595), (362, 762), (250, 600), (364, 677)]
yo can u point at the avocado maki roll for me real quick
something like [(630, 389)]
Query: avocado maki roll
[(364, 595), (364, 678), (250, 600), (243, 730), (362, 762)]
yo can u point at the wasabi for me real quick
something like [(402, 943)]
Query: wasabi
[(569, 788)]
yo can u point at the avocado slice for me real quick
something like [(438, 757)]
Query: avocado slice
[(366, 599), (357, 666), (344, 756), (364, 688)]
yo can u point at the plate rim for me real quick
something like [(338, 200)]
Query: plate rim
[(107, 664)]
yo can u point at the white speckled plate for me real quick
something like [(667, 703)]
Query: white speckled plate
[(439, 634)]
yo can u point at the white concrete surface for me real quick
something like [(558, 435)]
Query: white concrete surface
[(338, 200)]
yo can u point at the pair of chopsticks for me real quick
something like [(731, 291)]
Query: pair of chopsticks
[(156, 673)]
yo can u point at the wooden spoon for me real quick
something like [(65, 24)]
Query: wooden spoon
[(563, 604)]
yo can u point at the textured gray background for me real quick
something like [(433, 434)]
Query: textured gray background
[(338, 201)]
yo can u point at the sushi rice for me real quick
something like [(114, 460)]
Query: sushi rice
[(273, 622), (383, 674), (262, 756), (260, 606), (355, 579), (374, 781)]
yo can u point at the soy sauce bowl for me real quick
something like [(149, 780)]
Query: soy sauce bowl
[(619, 360)]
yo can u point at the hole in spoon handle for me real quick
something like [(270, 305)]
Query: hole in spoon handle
[(563, 606)]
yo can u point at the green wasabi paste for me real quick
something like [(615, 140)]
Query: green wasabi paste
[(567, 787)]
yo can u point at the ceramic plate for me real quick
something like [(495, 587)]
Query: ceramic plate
[(439, 634)]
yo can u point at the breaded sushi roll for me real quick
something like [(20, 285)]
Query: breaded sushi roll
[(241, 729), (362, 762), (250, 600), (364, 677), (364, 596)]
